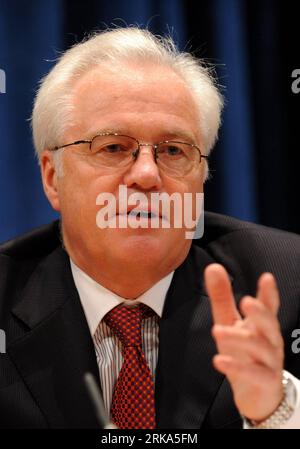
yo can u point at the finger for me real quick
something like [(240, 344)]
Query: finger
[(264, 320), (253, 375), (219, 290), (268, 292), (237, 370), (223, 345), (247, 347)]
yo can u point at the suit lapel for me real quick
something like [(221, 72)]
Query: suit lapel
[(56, 350), (186, 382)]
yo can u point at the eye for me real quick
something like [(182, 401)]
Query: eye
[(170, 150), (113, 148), (173, 150)]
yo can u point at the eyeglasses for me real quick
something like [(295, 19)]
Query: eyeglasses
[(113, 151)]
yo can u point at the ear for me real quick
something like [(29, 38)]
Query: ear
[(50, 179)]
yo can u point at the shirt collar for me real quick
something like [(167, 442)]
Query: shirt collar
[(97, 300)]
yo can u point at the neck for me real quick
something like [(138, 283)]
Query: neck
[(130, 286), (128, 282), (127, 277)]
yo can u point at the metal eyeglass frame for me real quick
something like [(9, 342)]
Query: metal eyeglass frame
[(139, 144)]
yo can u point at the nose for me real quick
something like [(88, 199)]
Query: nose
[(144, 173)]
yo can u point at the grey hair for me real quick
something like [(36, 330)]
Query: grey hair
[(53, 107)]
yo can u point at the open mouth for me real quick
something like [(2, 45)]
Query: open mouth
[(142, 214)]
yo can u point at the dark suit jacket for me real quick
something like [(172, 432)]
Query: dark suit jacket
[(49, 347)]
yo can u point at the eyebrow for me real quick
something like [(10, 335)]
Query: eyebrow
[(172, 133)]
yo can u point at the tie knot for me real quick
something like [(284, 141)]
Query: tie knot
[(126, 323)]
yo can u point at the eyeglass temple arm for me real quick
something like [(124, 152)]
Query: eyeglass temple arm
[(69, 144)]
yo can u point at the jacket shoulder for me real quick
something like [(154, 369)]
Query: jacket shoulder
[(18, 259), (247, 250), (35, 244), (222, 227)]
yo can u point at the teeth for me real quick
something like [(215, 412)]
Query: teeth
[(142, 213)]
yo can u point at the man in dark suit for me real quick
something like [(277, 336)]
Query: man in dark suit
[(130, 304), (50, 348)]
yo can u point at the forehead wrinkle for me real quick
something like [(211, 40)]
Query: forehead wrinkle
[(94, 100), (116, 88)]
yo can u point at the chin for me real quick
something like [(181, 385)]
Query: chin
[(150, 248), (141, 242), (142, 247)]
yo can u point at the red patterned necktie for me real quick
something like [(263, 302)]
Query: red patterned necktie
[(133, 398)]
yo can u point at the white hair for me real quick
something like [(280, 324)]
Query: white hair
[(53, 106)]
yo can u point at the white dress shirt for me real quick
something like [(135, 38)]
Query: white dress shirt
[(97, 301)]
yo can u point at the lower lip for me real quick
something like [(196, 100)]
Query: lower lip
[(142, 218)]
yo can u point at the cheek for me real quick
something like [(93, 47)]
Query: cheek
[(197, 180), (78, 189), (191, 184), (192, 202), (84, 181)]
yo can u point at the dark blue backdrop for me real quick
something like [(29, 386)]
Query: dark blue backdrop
[(255, 164)]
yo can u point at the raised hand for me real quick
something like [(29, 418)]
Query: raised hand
[(250, 349)]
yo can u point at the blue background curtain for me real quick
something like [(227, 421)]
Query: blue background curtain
[(256, 162)]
